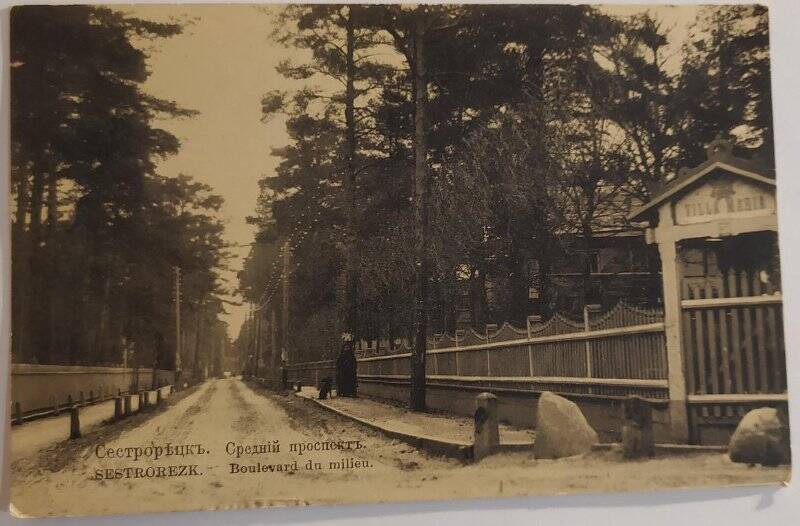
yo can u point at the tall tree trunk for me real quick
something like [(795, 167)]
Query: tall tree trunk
[(351, 315), (32, 322), (587, 231), (19, 274), (418, 387), (102, 323), (197, 335), (55, 289)]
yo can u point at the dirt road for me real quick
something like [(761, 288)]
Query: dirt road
[(234, 447)]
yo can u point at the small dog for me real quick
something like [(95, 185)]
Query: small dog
[(324, 388)]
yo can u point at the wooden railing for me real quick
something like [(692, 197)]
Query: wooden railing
[(622, 352), (616, 361)]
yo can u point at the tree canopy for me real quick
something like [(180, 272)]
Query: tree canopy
[(542, 126), (97, 230)]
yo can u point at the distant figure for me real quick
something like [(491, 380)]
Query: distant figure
[(284, 378), (346, 379), (637, 432), (324, 388)]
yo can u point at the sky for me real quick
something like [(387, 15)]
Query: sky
[(221, 65)]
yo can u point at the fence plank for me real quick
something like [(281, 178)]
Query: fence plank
[(700, 352), (761, 341), (748, 338), (776, 350)]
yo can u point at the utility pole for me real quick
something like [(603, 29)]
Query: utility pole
[(285, 305), (177, 327), (273, 340)]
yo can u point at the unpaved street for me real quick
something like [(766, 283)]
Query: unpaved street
[(222, 417)]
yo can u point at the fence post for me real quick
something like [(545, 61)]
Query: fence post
[(18, 412), (671, 280), (118, 408), (56, 408), (74, 423), (455, 337), (128, 400), (489, 327), (81, 399), (529, 322), (587, 328)]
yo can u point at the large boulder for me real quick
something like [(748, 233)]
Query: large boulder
[(762, 437), (561, 429)]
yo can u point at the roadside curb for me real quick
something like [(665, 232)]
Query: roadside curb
[(666, 448), (454, 449), (463, 450)]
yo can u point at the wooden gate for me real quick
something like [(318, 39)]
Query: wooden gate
[(733, 349)]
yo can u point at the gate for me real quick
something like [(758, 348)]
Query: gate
[(733, 349), (715, 227)]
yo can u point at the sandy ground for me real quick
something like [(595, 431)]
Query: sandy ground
[(59, 480), (396, 418)]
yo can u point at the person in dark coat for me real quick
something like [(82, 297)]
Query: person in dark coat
[(346, 379)]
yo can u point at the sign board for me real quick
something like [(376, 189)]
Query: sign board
[(724, 197)]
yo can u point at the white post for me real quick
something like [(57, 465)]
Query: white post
[(531, 320), (587, 328), (670, 272), (456, 353), (489, 327)]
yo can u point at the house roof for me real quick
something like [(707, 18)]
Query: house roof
[(720, 157)]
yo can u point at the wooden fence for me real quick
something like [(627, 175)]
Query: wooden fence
[(733, 346), (620, 352), (41, 389)]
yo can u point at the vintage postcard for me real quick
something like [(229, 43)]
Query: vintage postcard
[(281, 255)]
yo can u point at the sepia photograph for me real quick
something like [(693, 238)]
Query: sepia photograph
[(318, 254)]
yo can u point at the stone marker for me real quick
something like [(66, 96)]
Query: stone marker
[(561, 429), (159, 396), (118, 408), (56, 408), (762, 437), (18, 412), (80, 397), (637, 432), (142, 400), (128, 400), (74, 423), (487, 432)]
